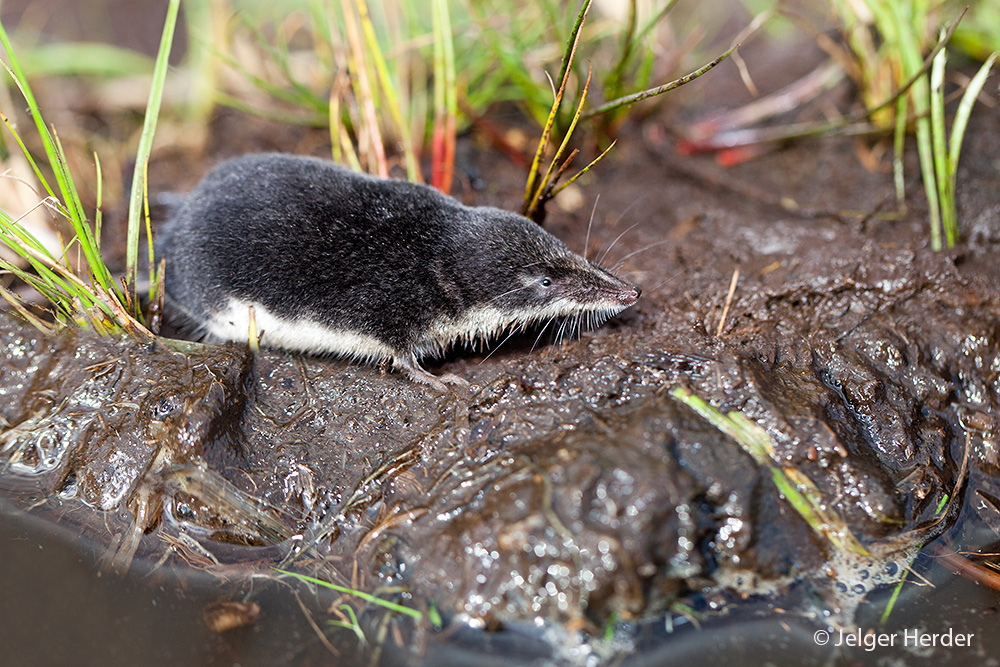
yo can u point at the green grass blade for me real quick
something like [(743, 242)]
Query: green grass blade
[(150, 260), (506, 67), (298, 96), (583, 171), (145, 147), (321, 20), (948, 170), (941, 507), (40, 280), (652, 22), (78, 220), (351, 625), (965, 110), (808, 501), (434, 616), (659, 90), (573, 41), (792, 484), (279, 55), (367, 597), (545, 185), (614, 81), (98, 213), (939, 146), (926, 153), (899, 25), (892, 599), (389, 91), (737, 426), (898, 146), (82, 59)]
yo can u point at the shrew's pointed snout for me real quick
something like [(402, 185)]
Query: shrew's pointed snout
[(629, 295)]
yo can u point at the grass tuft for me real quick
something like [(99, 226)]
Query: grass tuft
[(84, 293), (902, 90), (540, 188), (571, 44), (376, 60)]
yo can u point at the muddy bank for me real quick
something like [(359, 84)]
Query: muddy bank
[(567, 496)]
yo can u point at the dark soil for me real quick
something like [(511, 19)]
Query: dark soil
[(567, 494)]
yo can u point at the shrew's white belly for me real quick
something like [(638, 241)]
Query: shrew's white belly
[(302, 335), (307, 335)]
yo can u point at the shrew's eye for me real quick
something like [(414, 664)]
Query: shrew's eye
[(546, 282)]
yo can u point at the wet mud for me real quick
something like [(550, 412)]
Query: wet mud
[(566, 507)]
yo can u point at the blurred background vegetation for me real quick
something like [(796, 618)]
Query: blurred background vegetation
[(392, 83)]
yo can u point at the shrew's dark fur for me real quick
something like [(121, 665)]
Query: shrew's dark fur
[(388, 262)]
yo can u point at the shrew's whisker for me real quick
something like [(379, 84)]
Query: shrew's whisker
[(604, 255), (547, 323), (636, 252), (586, 242), (516, 289), (513, 331)]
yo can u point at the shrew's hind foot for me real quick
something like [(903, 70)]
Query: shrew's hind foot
[(412, 369)]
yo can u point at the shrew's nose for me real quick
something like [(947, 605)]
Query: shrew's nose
[(629, 296)]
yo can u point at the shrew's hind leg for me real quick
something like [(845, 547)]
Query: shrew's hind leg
[(408, 364)]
